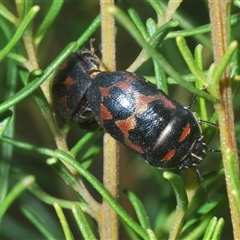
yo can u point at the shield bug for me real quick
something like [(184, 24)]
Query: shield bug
[(70, 85), (146, 120)]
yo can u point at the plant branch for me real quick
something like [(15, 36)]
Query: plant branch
[(108, 225), (219, 16)]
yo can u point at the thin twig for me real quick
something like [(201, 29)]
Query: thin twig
[(108, 226)]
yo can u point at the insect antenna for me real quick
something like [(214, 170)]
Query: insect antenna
[(208, 123), (203, 185), (213, 150)]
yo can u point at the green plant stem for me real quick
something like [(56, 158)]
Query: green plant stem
[(5, 119), (170, 11), (7, 126), (156, 38), (182, 202), (33, 217), (27, 146), (139, 209), (188, 57), (64, 222), (194, 32), (225, 60), (45, 197), (126, 23), (161, 79), (64, 157), (157, 7), (108, 225), (32, 65), (21, 28), (32, 62), (219, 14), (8, 15), (15, 192), (198, 56), (64, 172), (218, 229), (136, 19), (49, 18), (82, 223)]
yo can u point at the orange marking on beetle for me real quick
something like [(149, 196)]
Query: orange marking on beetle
[(105, 92), (69, 81), (166, 101), (124, 85), (143, 101), (170, 154), (134, 147), (186, 131), (125, 126), (105, 114)]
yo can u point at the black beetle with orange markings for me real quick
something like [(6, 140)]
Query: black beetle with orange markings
[(132, 110), (137, 114), (70, 85)]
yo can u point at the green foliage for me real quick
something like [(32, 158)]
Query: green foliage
[(50, 173)]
